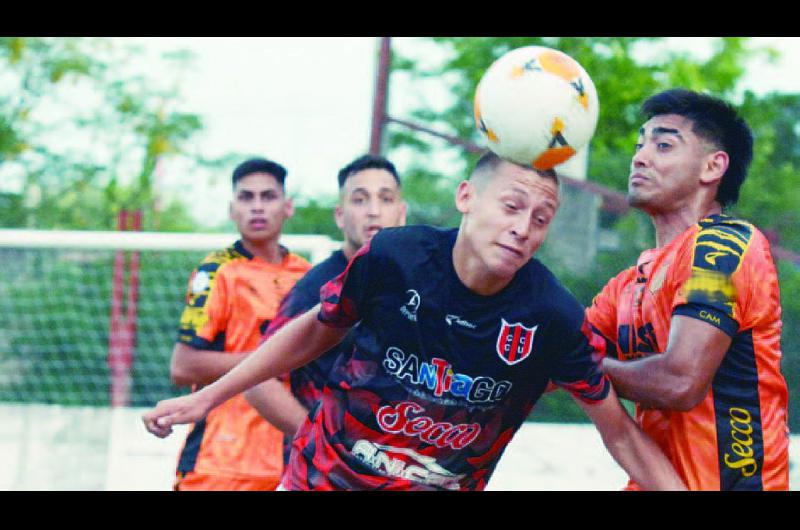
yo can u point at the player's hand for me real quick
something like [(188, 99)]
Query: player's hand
[(184, 409)]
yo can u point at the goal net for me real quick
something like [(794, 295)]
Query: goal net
[(88, 321)]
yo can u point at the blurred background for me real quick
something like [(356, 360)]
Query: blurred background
[(100, 136)]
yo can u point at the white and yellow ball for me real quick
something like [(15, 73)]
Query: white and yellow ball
[(536, 106)]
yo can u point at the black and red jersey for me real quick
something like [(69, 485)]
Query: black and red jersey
[(308, 381), (438, 378)]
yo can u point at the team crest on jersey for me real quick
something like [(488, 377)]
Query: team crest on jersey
[(514, 342), (200, 282)]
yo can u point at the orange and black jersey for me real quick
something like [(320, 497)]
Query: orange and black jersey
[(719, 271), (231, 299)]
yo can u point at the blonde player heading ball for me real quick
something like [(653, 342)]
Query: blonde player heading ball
[(447, 361)]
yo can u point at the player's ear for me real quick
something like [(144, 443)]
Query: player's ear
[(403, 211), (464, 194), (716, 164), (230, 210), (338, 216), (288, 208)]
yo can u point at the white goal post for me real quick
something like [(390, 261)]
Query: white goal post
[(318, 247)]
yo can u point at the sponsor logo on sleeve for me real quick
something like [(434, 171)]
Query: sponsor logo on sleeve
[(514, 342)]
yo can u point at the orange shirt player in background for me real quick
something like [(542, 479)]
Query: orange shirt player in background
[(696, 323), (232, 297)]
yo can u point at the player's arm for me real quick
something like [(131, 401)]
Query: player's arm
[(296, 344), (679, 378), (193, 366), (276, 404), (633, 450)]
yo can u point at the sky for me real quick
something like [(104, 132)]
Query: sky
[(307, 103)]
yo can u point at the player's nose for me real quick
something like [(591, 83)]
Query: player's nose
[(373, 208), (641, 158)]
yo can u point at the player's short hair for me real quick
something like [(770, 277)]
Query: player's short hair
[(259, 165), (367, 162), (715, 121), (489, 161)]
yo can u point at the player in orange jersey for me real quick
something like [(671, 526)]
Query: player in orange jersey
[(370, 199), (696, 323), (232, 297)]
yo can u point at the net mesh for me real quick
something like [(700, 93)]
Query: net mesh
[(59, 323), (55, 324)]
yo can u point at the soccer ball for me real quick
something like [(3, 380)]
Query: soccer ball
[(536, 106)]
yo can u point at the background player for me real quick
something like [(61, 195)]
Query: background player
[(707, 297), (232, 297), (447, 359), (369, 199)]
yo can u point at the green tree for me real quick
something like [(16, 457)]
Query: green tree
[(771, 194), (314, 216), (82, 133)]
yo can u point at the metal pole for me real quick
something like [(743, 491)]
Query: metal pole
[(381, 89), (116, 336)]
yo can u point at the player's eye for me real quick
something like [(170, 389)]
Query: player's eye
[(637, 147), (511, 206), (663, 146)]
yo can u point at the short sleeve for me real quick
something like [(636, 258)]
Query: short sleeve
[(577, 365), (343, 298), (705, 275), (204, 317)]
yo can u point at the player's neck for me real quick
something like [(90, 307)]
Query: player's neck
[(669, 225), (473, 273), (269, 250), (349, 250)]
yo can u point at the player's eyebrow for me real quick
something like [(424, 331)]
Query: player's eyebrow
[(662, 130)]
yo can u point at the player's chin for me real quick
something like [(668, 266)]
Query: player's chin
[(506, 266), (637, 198), (258, 235)]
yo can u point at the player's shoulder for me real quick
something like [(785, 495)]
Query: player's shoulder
[(617, 282), (544, 289), (294, 262), (323, 272), (722, 242), (219, 258), (403, 241), (410, 233), (722, 226)]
